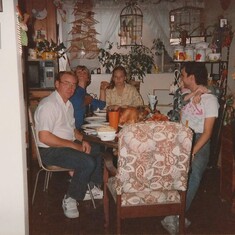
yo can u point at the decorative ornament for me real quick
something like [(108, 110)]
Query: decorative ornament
[(39, 15)]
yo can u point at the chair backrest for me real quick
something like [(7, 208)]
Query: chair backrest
[(153, 156), (33, 130)]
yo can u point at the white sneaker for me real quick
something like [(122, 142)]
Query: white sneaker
[(170, 224), (96, 192), (70, 207)]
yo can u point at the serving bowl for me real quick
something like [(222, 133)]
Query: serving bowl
[(107, 136), (106, 133)]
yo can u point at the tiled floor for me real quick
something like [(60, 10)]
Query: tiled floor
[(208, 214)]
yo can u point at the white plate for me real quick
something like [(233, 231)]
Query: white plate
[(93, 126), (95, 119), (90, 132), (100, 113)]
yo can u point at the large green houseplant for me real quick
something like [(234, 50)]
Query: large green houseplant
[(138, 61)]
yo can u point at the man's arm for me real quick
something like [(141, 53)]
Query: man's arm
[(208, 128), (52, 140)]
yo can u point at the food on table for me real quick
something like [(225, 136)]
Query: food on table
[(106, 129), (133, 114), (158, 117)]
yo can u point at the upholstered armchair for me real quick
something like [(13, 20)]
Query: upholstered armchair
[(152, 172)]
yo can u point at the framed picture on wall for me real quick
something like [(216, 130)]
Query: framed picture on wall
[(1, 6)]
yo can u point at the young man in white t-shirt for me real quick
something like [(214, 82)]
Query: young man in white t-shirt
[(200, 117)]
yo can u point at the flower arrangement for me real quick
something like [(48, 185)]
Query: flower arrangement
[(44, 47)]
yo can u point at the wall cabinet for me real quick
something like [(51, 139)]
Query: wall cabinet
[(47, 24)]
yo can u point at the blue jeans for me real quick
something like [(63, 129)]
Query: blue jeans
[(198, 167), (87, 167)]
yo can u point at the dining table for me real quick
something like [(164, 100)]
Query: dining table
[(106, 146), (109, 168)]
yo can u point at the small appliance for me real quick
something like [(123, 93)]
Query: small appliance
[(41, 73)]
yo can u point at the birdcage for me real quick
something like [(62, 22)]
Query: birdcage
[(131, 25)]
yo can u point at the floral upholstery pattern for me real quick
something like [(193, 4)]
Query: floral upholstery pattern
[(153, 163)]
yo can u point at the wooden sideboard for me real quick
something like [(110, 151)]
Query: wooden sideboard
[(227, 174)]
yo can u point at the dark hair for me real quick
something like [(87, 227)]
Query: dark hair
[(197, 69), (61, 73), (119, 67)]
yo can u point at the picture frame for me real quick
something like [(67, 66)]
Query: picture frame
[(1, 9)]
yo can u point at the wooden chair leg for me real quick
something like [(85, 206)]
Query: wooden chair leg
[(181, 224), (106, 199), (118, 214), (182, 213)]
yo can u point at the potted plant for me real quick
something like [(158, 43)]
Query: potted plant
[(141, 62), (50, 50), (105, 57), (138, 61)]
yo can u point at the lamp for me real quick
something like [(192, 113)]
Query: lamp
[(131, 25)]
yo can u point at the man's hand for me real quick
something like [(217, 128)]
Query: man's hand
[(78, 135), (88, 99), (86, 148)]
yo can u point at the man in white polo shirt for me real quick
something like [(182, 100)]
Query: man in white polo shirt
[(61, 144)]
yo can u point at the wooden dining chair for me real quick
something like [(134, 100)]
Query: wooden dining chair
[(152, 172), (48, 169)]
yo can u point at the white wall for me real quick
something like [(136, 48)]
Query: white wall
[(13, 173)]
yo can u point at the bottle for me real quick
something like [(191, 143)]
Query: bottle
[(98, 71), (89, 110)]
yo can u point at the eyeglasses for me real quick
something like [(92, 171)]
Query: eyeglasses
[(69, 84)]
